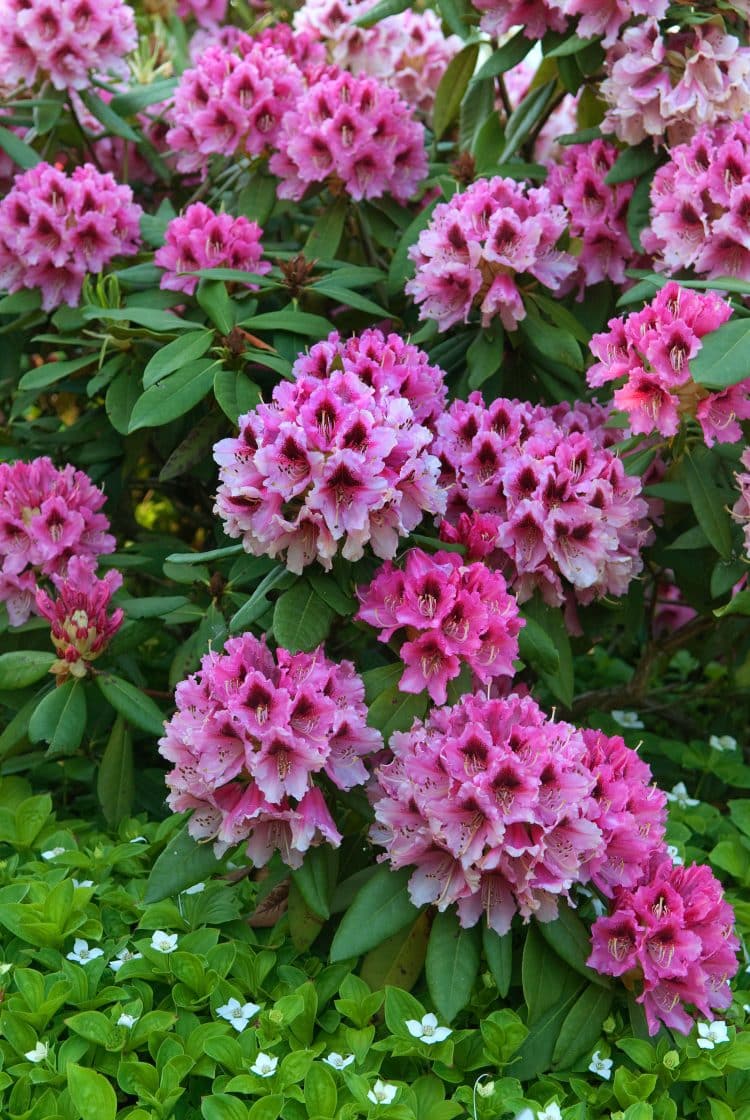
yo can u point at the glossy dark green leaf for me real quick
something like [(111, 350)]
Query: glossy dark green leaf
[(316, 879), (582, 1027), (301, 619), (724, 357), (115, 785), (173, 395), (381, 908), (499, 953), (23, 667), (107, 116), (324, 237), (19, 152), (60, 719), (452, 88), (571, 940), (632, 163), (137, 708), (182, 864), (139, 97), (394, 710), (506, 57), (235, 393), (708, 502), (525, 117), (452, 963)]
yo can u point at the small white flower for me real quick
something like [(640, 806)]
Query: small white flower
[(39, 1053), (627, 719), (674, 855), (711, 1034), (81, 952), (83, 883), (164, 942), (746, 1008), (722, 743), (138, 840), (264, 1065), (338, 1061), (382, 1093), (238, 1014), (600, 1065), (551, 1112), (51, 853), (427, 1030), (127, 1020), (122, 957), (679, 795), (485, 1088), (526, 1114), (195, 889)]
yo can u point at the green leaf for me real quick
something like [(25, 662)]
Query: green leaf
[(502, 1034), (724, 357), (325, 235), (475, 119), (151, 318), (108, 116), (220, 1106), (553, 343), (115, 785), (331, 593), (638, 213), (176, 354), (399, 959), (525, 117), (16, 730), (196, 446), (382, 10), (499, 953), (394, 710), (582, 1026), (297, 322), (60, 719), (351, 300), (400, 1006), (183, 863), (235, 393), (120, 400), (544, 975), (571, 44), (484, 357), (739, 604), (174, 395), (551, 621), (257, 604), (708, 502), (452, 88), (212, 296), (204, 557), (553, 989), (19, 152), (381, 908), (301, 620), (51, 372), (571, 940), (131, 702), (316, 879), (506, 57), (401, 267), (91, 1093), (452, 964), (320, 1091), (23, 667), (537, 649), (632, 163), (132, 100)]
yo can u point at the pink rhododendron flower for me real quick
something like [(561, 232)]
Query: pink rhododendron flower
[(64, 40), (407, 51), (81, 625), (700, 204), (454, 614), (674, 933), (501, 810), (47, 517), (652, 349), (232, 102), (353, 133), (666, 86), (536, 17), (251, 731), (201, 238), (301, 46), (598, 212), (477, 243), (671, 611), (387, 364), (208, 13), (741, 508), (566, 517), (56, 228)]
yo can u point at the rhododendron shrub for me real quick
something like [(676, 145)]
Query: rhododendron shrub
[(374, 556)]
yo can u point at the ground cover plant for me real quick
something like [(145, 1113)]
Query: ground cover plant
[(374, 546)]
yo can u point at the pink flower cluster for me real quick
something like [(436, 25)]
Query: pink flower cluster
[(327, 465), (201, 238), (251, 731), (56, 228), (81, 627), (475, 246), (536, 17), (651, 350), (598, 212), (387, 364), (700, 204), (453, 614), (407, 51), (302, 47), (208, 13), (48, 517), (501, 810), (668, 85), (64, 40), (741, 509), (231, 103), (536, 491), (674, 932), (355, 134)]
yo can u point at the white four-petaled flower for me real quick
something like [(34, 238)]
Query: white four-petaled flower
[(81, 952), (83, 883), (238, 1014), (628, 719), (126, 1020), (164, 942), (51, 853), (123, 957), (264, 1065), (427, 1030), (39, 1053), (711, 1034), (600, 1065), (679, 795), (551, 1112), (195, 889), (382, 1093), (338, 1061), (722, 743)]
